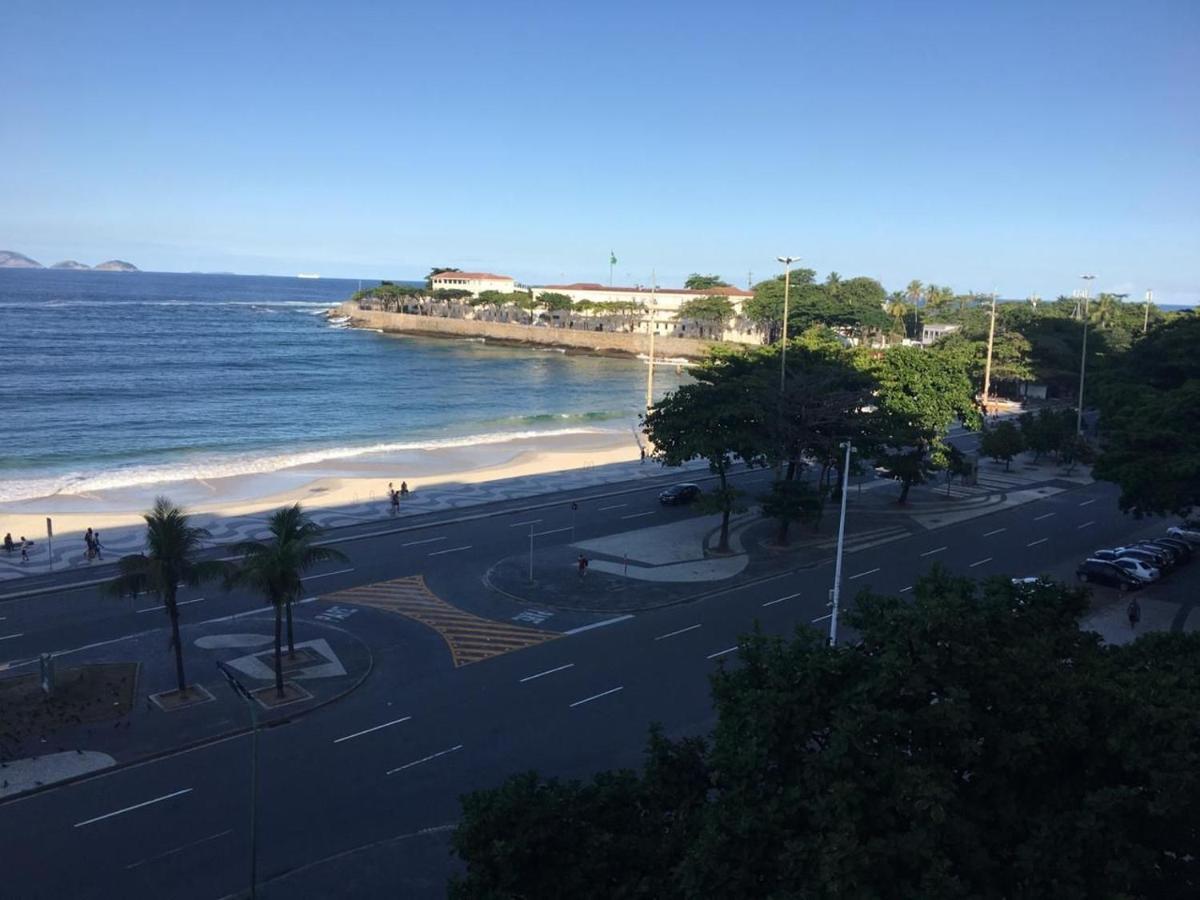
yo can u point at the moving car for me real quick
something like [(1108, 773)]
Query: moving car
[(679, 494), (1139, 569), (1099, 571)]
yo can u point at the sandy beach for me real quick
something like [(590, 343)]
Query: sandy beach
[(333, 483)]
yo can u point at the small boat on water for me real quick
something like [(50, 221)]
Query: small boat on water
[(308, 275), (338, 320)]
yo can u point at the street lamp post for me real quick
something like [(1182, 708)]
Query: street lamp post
[(787, 285), (837, 569), (1146, 316), (987, 369), (1087, 281), (242, 691)]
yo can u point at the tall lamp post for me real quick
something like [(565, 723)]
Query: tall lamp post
[(1087, 283), (1146, 317), (787, 285), (987, 369), (242, 691), (837, 569)]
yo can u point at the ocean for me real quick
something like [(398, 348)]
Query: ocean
[(115, 380)]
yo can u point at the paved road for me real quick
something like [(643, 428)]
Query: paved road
[(393, 757)]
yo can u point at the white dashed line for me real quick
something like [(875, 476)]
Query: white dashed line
[(864, 574), (614, 506), (822, 618), (547, 672), (979, 563), (1035, 543), (1088, 502), (997, 531), (662, 637), (451, 550), (931, 552), (1044, 516), (160, 607), (369, 730), (9, 637), (613, 621), (519, 524), (781, 599), (132, 808), (326, 574), (1086, 524), (596, 697), (639, 515), (426, 759), (426, 541), (722, 652), (551, 531), (905, 590)]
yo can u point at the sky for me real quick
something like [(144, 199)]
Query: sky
[(1008, 146)]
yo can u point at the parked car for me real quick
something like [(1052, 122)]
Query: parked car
[(1101, 571), (1139, 569), (1155, 544), (1189, 532), (679, 494), (1153, 555), (1179, 544)]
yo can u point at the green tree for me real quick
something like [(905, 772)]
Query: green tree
[(171, 561), (697, 282), (765, 308), (711, 312), (973, 742), (1047, 430), (914, 292), (899, 311), (1002, 442), (920, 395), (792, 501), (554, 301), (275, 569)]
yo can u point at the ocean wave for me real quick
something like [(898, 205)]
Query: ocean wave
[(138, 476)]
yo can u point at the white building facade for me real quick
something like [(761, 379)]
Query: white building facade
[(475, 282)]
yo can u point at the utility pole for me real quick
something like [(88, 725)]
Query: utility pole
[(987, 369), (242, 691), (787, 284), (1146, 317), (1087, 283), (837, 571)]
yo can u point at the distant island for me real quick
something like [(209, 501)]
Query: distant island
[(10, 259)]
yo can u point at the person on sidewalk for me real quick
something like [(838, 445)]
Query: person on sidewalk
[(97, 546), (24, 550), (1134, 611), (9, 545), (89, 544), (583, 564), (395, 497), (404, 489)]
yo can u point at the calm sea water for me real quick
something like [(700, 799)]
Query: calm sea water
[(115, 379)]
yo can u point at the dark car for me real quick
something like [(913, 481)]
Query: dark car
[(1099, 571), (1165, 556), (679, 494), (1155, 556), (1179, 544), (1177, 554)]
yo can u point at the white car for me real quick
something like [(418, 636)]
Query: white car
[(1189, 533), (1138, 569)]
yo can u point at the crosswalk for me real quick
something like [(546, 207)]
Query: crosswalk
[(470, 638), (995, 481), (862, 540)]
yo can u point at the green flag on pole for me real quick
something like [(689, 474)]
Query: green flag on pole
[(612, 258)]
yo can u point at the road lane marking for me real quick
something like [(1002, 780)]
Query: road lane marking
[(614, 506), (519, 524), (931, 552), (161, 607), (1045, 516), (673, 633), (179, 849), (905, 590), (596, 697), (9, 637), (426, 759), (1035, 543), (997, 531), (822, 618), (1085, 524), (980, 563), (864, 574), (369, 730), (547, 672), (722, 652), (551, 531), (326, 574), (1088, 502), (426, 541), (582, 628), (132, 808), (639, 515), (781, 599), (451, 550)]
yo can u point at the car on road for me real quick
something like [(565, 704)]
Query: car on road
[(679, 494), (1100, 571), (1139, 569), (1189, 531)]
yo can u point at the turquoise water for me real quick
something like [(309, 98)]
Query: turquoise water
[(115, 379)]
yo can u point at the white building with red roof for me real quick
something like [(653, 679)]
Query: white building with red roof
[(475, 282)]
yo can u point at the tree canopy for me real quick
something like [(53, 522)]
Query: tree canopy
[(697, 282), (714, 312), (972, 743)]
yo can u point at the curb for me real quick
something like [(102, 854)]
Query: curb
[(206, 741)]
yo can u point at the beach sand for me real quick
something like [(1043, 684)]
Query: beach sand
[(332, 483)]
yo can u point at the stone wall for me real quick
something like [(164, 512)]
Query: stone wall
[(570, 339)]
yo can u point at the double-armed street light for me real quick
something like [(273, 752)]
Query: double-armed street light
[(1087, 283), (835, 594), (787, 285)]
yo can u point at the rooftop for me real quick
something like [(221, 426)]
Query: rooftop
[(479, 276), (614, 289)]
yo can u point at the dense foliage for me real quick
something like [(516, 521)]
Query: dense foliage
[(973, 743)]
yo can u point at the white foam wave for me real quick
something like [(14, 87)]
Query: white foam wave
[(137, 476)]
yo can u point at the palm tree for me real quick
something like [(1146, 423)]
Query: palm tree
[(172, 544), (274, 570), (1034, 300), (899, 311), (914, 292), (1104, 313), (833, 284)]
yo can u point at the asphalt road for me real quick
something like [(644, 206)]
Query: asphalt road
[(393, 757)]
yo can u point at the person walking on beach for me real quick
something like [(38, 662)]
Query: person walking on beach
[(96, 545), (9, 546), (583, 564), (89, 544), (1134, 611), (404, 489), (24, 550), (395, 502)]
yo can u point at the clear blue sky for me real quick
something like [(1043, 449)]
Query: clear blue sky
[(1007, 145)]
